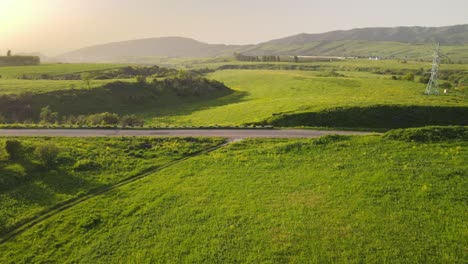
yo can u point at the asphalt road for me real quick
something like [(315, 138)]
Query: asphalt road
[(228, 133)]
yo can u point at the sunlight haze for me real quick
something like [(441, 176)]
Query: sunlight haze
[(55, 26)]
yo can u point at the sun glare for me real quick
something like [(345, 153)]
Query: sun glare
[(14, 13)]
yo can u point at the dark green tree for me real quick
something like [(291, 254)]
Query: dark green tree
[(47, 116), (131, 121), (47, 155), (14, 149), (141, 80), (409, 77), (446, 85), (9, 53)]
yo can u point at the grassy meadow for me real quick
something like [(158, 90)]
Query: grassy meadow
[(28, 188), (258, 95), (348, 64), (15, 86), (336, 199), (54, 69), (263, 93)]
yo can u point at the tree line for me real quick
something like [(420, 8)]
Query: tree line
[(127, 72), (269, 58), (15, 60), (47, 116)]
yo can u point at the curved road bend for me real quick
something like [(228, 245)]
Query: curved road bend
[(227, 133)]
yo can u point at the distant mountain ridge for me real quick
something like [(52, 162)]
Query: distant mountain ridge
[(448, 35), (354, 42), (151, 47)]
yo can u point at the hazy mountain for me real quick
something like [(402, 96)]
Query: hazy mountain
[(153, 47), (447, 35), (398, 42)]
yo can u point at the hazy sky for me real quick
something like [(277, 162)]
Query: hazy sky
[(55, 26)]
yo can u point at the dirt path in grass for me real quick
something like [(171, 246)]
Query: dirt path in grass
[(29, 223)]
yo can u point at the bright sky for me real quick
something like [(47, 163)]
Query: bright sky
[(55, 26)]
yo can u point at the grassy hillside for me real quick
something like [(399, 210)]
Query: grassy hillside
[(165, 46), (334, 199), (53, 69), (28, 188), (364, 65), (400, 42), (262, 93), (362, 48), (457, 34), (374, 116), (117, 97), (15, 86)]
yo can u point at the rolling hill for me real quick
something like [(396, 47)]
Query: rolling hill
[(448, 35), (152, 47), (398, 42)]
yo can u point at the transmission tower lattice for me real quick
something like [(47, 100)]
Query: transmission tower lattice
[(432, 87)]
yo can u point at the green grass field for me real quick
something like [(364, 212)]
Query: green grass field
[(262, 93), (349, 64), (26, 188), (258, 94), (330, 200), (14, 86), (361, 48), (54, 69)]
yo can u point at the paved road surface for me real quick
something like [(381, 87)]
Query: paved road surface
[(228, 133)]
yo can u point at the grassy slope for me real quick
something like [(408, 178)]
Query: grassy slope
[(14, 86), (9, 84), (120, 97), (345, 200), (262, 93), (351, 64), (54, 69), (119, 158), (364, 49)]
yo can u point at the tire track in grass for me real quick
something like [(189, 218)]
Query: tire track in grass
[(56, 209)]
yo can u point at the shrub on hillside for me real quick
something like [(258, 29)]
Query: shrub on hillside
[(47, 155), (11, 175), (14, 149), (86, 165), (102, 77), (47, 116), (424, 79), (141, 80), (90, 221), (103, 119), (131, 121), (429, 134), (331, 74), (446, 86), (408, 77), (324, 140)]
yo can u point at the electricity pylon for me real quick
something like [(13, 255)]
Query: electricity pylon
[(432, 87)]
